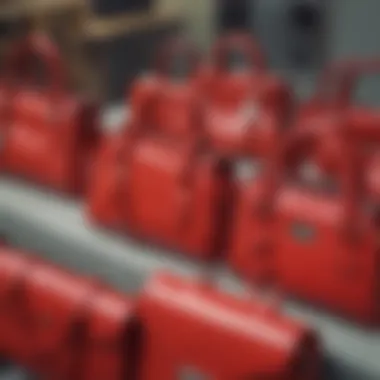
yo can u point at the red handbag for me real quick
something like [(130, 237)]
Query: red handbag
[(246, 107), (48, 135), (167, 191), (196, 331), (338, 235), (167, 102), (112, 340), (321, 242), (57, 316)]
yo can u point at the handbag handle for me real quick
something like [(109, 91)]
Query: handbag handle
[(338, 81), (177, 50), (244, 44), (41, 46), (172, 49)]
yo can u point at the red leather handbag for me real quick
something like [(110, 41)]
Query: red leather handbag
[(112, 341), (246, 106), (196, 331), (165, 190), (322, 242), (326, 242), (57, 314), (48, 135), (168, 101)]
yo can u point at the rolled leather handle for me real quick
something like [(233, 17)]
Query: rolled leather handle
[(177, 48), (245, 44), (339, 81), (41, 46)]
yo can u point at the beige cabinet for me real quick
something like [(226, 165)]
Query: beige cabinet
[(199, 17)]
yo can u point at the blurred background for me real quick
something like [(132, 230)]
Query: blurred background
[(107, 42)]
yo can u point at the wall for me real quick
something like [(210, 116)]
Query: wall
[(353, 27), (356, 31)]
